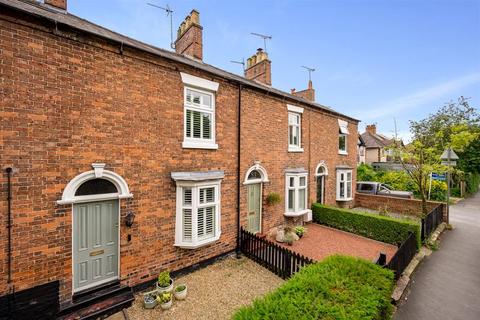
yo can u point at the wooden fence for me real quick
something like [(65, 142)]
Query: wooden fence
[(279, 260)]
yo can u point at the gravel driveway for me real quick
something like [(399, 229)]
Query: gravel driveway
[(214, 292)]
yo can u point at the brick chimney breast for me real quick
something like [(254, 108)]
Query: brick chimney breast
[(59, 4), (189, 36), (308, 94), (372, 128), (259, 68)]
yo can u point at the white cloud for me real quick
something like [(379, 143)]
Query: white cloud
[(419, 98)]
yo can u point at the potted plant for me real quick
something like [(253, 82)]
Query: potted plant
[(273, 198), (165, 300), (164, 282), (300, 231), (180, 292), (150, 299)]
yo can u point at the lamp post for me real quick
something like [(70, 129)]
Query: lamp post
[(449, 158)]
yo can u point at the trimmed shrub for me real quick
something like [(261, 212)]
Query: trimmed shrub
[(339, 287), (373, 226)]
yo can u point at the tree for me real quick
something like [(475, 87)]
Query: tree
[(454, 125), (418, 161)]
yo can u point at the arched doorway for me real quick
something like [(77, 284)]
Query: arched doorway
[(321, 174), (95, 197), (254, 179)]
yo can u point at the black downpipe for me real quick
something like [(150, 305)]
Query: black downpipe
[(9, 222), (238, 166)]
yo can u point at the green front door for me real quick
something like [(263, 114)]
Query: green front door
[(95, 243), (254, 204)]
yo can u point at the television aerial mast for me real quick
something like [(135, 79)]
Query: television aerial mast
[(310, 70), (264, 37), (169, 12)]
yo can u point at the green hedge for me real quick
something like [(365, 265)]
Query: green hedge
[(373, 226), (339, 287)]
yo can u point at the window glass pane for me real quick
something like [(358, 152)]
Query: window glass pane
[(187, 196), (207, 100), (291, 200), (96, 186), (349, 176), (296, 140), (342, 177), (303, 181), (201, 222), (206, 126), (291, 181), (301, 199), (342, 190), (349, 189), (207, 195), (187, 224), (342, 142), (189, 123), (210, 221), (255, 174), (196, 124)]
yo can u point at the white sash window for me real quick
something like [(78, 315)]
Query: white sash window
[(344, 185)]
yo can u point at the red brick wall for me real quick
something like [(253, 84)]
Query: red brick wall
[(70, 102), (411, 207)]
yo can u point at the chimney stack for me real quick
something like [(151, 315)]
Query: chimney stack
[(259, 68), (308, 94), (59, 4), (372, 128), (189, 36)]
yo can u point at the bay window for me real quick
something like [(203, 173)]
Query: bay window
[(344, 185), (296, 194), (198, 210)]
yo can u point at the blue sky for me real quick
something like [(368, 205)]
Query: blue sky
[(375, 59)]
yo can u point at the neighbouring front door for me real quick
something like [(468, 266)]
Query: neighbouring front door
[(320, 189), (95, 243), (254, 207)]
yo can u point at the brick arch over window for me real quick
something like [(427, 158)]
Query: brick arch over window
[(98, 172)]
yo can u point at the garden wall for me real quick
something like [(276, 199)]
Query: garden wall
[(412, 207)]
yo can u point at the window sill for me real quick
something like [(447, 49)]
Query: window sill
[(343, 153), (295, 149), (198, 244), (296, 214), (345, 199), (199, 145)]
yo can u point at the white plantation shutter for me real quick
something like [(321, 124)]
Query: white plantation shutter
[(187, 225), (209, 221), (187, 214), (201, 222)]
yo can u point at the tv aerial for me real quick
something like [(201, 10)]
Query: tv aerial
[(169, 12), (310, 70), (242, 62), (264, 37)]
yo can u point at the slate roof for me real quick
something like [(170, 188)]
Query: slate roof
[(376, 140), (60, 17)]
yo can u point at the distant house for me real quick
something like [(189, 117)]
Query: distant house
[(376, 146), (360, 150)]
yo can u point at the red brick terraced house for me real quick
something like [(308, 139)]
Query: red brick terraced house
[(120, 160)]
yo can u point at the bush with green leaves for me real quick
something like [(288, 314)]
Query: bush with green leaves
[(164, 279), (339, 287), (373, 226)]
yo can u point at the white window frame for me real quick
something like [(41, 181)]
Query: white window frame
[(343, 132), (203, 86), (297, 211), (295, 111), (345, 183), (195, 186)]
